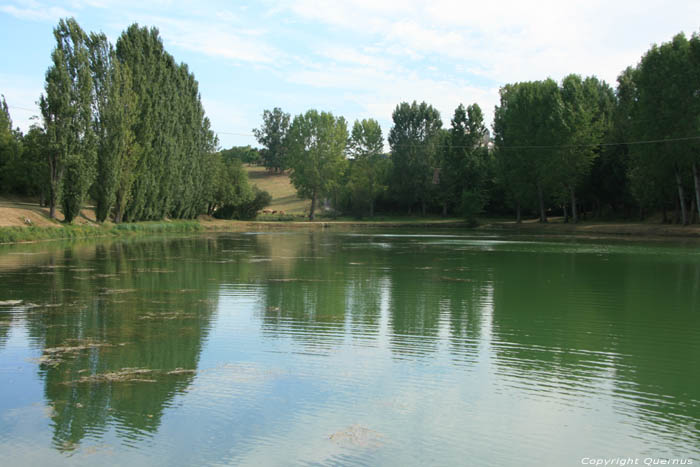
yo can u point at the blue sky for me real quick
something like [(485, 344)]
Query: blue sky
[(356, 58)]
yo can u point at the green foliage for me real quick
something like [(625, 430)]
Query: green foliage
[(245, 208), (171, 133), (465, 165), (528, 129), (369, 169), (471, 205), (414, 139), (115, 114), (67, 112), (245, 154), (272, 135), (27, 234), (9, 150), (316, 154), (666, 106), (588, 106)]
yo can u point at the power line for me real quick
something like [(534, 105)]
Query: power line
[(21, 108), (563, 146)]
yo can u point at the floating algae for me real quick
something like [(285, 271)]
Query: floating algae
[(358, 436), (116, 291), (10, 302), (135, 375), (454, 279), (296, 279), (181, 371), (155, 270), (168, 315)]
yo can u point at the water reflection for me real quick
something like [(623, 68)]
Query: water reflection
[(466, 327), (120, 328)]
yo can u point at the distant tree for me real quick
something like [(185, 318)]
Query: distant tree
[(317, 161), (528, 130), (666, 108), (9, 148), (414, 142), (272, 135), (30, 172), (67, 113), (608, 184), (368, 169), (245, 154), (465, 170), (587, 112)]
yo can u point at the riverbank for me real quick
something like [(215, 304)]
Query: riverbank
[(587, 229), (22, 221)]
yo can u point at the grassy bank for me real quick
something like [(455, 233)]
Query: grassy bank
[(583, 229), (32, 233)]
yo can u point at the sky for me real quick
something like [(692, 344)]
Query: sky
[(356, 58)]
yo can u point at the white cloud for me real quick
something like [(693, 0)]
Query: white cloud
[(216, 39), (35, 12)]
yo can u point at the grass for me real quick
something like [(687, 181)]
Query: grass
[(284, 195), (27, 234)]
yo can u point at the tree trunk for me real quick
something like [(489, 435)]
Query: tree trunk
[(313, 206), (518, 217), (422, 207), (696, 179), (444, 209), (53, 187), (681, 198), (371, 208), (543, 215), (566, 214), (574, 214)]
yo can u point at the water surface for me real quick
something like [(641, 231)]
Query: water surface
[(320, 348)]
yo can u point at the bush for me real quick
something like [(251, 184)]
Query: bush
[(471, 205), (246, 209)]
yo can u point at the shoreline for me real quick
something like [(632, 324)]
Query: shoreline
[(611, 230)]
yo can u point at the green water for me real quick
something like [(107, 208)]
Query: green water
[(347, 349)]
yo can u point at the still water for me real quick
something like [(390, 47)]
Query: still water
[(348, 349)]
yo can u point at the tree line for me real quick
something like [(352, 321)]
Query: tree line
[(572, 148), (124, 126)]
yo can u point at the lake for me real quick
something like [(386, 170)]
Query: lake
[(330, 348)]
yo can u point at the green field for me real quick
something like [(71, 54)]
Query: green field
[(284, 195)]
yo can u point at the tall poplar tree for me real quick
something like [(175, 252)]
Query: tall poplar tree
[(67, 113), (528, 131), (366, 146), (414, 139)]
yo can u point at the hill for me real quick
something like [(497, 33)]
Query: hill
[(284, 195)]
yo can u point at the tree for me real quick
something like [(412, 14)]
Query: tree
[(528, 131), (245, 154), (172, 135), (465, 168), (608, 183), (414, 142), (587, 108), (115, 112), (317, 154), (272, 135), (9, 148), (367, 173), (67, 113), (666, 109)]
